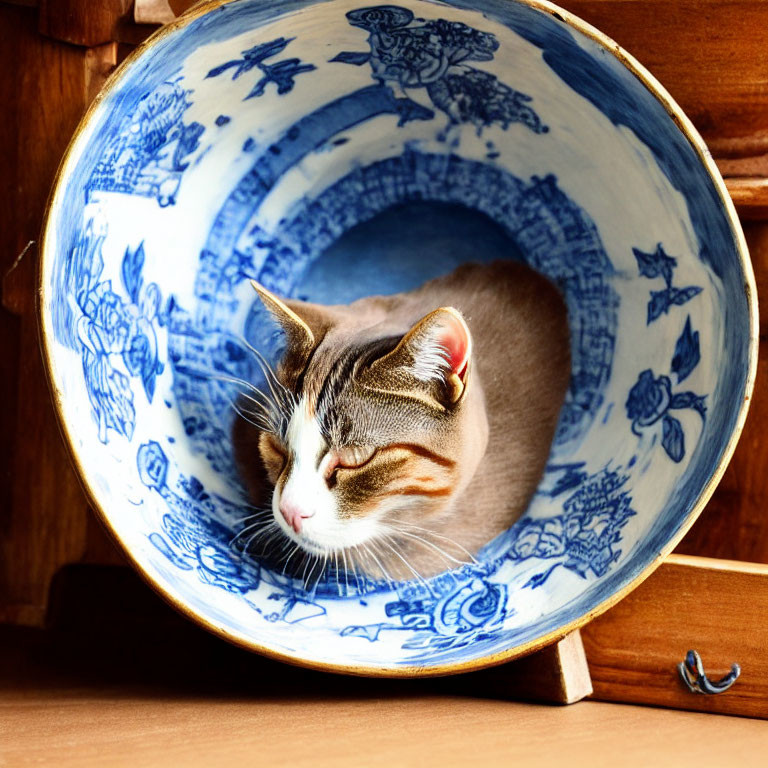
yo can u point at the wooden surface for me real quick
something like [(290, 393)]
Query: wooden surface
[(86, 23), (710, 54), (126, 727), (131, 684), (717, 608)]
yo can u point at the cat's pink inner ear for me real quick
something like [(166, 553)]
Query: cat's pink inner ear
[(453, 335)]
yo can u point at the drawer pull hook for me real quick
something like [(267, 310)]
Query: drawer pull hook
[(692, 673)]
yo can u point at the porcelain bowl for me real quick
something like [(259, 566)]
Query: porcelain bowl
[(332, 150)]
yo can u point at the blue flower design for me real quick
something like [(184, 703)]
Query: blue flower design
[(659, 264), (585, 536), (650, 401), (191, 538), (407, 53)]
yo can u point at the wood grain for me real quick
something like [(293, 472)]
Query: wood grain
[(85, 728), (709, 54), (82, 22), (44, 513), (734, 524), (715, 607)]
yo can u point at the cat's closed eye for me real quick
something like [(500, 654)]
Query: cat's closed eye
[(273, 455), (349, 457)]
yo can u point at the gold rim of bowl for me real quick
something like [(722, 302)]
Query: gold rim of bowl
[(697, 143)]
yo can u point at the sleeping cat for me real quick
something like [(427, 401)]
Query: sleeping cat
[(402, 433)]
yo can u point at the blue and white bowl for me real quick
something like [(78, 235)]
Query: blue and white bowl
[(333, 150)]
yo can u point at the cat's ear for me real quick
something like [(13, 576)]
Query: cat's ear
[(295, 318), (437, 350)]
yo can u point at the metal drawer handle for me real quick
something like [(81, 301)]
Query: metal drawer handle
[(692, 672)]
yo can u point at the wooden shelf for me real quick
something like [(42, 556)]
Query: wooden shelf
[(121, 697)]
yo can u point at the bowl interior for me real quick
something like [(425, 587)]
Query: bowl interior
[(332, 150)]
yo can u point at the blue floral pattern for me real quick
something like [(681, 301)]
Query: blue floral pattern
[(431, 54), (650, 401), (452, 611), (659, 264), (585, 537), (116, 337)]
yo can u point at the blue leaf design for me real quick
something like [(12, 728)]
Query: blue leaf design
[(687, 352), (658, 305), (216, 71), (673, 439), (689, 400), (352, 57), (133, 263), (661, 301), (680, 295), (656, 264)]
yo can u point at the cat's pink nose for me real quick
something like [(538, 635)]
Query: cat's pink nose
[(292, 514)]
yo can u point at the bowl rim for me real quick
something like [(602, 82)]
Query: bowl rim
[(697, 143)]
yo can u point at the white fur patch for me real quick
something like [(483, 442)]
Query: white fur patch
[(322, 531), (431, 362)]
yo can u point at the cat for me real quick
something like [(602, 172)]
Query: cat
[(401, 433)]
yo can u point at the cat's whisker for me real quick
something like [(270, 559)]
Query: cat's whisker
[(433, 547), (254, 536), (354, 572), (267, 410), (216, 376), (419, 577), (456, 544), (346, 577), (271, 373), (247, 529), (304, 572), (275, 531), (267, 427), (288, 560), (336, 571), (383, 570), (271, 378), (253, 516)]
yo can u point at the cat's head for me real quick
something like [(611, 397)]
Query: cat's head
[(373, 430)]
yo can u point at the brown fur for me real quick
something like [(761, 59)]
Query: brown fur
[(472, 465)]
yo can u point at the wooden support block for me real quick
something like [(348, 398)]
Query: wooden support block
[(557, 674), (716, 607)]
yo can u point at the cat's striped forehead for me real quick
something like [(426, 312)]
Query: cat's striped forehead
[(344, 399)]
